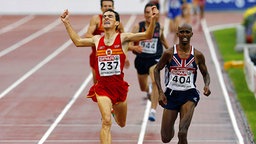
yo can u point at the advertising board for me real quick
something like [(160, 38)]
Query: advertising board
[(216, 5)]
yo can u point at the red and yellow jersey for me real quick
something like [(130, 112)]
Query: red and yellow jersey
[(99, 29), (110, 60)]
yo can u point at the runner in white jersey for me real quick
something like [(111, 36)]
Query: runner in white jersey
[(180, 96), (181, 72)]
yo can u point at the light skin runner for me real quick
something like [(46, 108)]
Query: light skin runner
[(156, 3), (180, 96), (96, 28), (110, 96), (186, 10), (147, 58), (199, 6), (174, 14)]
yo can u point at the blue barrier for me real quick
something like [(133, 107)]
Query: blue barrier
[(217, 5)]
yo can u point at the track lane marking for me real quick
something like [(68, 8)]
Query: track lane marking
[(65, 110), (221, 80), (30, 38), (16, 24), (41, 64)]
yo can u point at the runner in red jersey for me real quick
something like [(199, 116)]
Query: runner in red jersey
[(110, 90), (109, 72), (96, 28)]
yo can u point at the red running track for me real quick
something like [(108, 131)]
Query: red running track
[(44, 80)]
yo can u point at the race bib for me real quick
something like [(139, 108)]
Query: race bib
[(182, 79), (149, 46), (109, 65)]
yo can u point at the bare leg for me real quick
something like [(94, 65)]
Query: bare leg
[(172, 30), (201, 7), (186, 115), (154, 95), (201, 11), (144, 86), (105, 106), (187, 12), (143, 82), (173, 27), (120, 112), (167, 126)]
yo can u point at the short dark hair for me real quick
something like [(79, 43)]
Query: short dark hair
[(148, 5), (116, 14), (101, 2)]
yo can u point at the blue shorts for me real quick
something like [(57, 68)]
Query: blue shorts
[(175, 99), (173, 13)]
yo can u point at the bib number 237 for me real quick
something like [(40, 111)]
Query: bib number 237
[(109, 65)]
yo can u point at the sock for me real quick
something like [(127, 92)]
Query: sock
[(153, 110)]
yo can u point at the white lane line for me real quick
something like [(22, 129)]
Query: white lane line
[(221, 80), (41, 64), (223, 26), (144, 123), (16, 24), (130, 23), (65, 110), (30, 37)]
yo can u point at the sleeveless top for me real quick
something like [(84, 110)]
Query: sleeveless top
[(181, 73), (98, 31), (110, 60), (152, 48)]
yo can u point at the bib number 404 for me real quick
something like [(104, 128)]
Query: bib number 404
[(181, 79)]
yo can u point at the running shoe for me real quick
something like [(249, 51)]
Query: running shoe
[(152, 116)]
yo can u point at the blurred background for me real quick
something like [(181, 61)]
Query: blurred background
[(93, 6)]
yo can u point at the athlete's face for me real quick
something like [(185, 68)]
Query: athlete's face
[(148, 14), (184, 33), (106, 5), (109, 20)]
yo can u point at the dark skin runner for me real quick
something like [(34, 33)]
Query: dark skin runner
[(184, 34)]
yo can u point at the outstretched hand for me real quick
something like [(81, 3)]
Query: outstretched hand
[(155, 12), (64, 16)]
